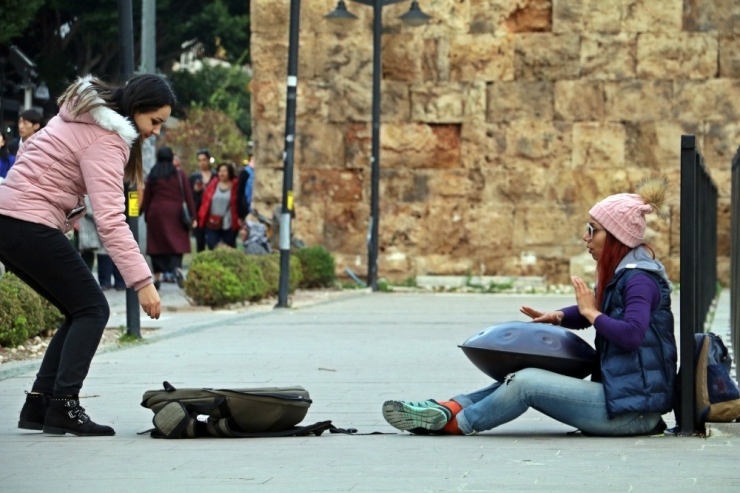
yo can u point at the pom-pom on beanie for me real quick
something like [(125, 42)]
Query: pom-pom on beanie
[(623, 214)]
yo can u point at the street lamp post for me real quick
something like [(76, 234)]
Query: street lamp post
[(414, 17)]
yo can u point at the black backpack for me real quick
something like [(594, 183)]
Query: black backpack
[(232, 413)]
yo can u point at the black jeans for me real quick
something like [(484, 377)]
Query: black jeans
[(47, 261)]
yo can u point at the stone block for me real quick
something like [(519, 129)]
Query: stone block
[(677, 56), (308, 224), (440, 102), (408, 146), (657, 145), (489, 226), (579, 100), (533, 226), (512, 16), (599, 146), (319, 145), (545, 56), (401, 60), (269, 16), (638, 100), (519, 100), (481, 57), (345, 55), (712, 15), (331, 184), (270, 189), (542, 143), (269, 142), (716, 100), (519, 185), (482, 145), (345, 227), (608, 56), (270, 57), (435, 60), (729, 57), (350, 100), (586, 16), (646, 16)]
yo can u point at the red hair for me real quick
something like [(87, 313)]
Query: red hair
[(612, 253)]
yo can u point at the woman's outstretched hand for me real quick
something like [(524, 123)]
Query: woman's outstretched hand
[(585, 299), (149, 301), (541, 317)]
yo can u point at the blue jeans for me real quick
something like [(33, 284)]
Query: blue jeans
[(578, 403), (106, 269)]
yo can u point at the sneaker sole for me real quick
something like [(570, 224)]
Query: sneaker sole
[(51, 430), (409, 418), (30, 425)]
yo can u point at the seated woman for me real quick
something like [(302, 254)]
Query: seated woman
[(631, 312)]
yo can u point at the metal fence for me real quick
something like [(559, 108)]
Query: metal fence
[(735, 258), (698, 264)]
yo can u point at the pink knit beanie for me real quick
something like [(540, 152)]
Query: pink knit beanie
[(623, 214)]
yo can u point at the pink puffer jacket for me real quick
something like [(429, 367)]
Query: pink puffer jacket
[(67, 159)]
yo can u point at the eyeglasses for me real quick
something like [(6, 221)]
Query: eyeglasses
[(590, 230)]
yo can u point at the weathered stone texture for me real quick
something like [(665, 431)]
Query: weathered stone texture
[(712, 15), (481, 57), (578, 100), (608, 56), (503, 122), (644, 16), (729, 56), (544, 56), (638, 100), (599, 146), (351, 100), (715, 100), (519, 100), (578, 16), (677, 56), (448, 102)]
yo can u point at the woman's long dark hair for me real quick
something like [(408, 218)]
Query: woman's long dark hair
[(612, 253), (164, 167), (141, 94)]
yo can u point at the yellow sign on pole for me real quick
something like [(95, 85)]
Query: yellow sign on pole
[(133, 204), (290, 200)]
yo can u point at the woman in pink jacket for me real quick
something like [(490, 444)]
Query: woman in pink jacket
[(90, 147)]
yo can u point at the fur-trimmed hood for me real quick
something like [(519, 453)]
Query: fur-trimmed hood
[(103, 116)]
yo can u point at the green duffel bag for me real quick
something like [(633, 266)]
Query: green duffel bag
[(231, 413)]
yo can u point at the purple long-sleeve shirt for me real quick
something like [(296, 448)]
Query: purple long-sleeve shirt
[(641, 297)]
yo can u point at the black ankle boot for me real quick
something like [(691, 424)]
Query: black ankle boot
[(34, 412), (65, 415)]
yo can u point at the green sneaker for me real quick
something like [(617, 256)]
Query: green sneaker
[(421, 418)]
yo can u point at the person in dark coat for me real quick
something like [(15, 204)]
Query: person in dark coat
[(168, 237), (630, 309), (199, 180)]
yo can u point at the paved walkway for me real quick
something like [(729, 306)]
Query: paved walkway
[(351, 354)]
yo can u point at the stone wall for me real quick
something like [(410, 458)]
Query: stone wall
[(503, 122)]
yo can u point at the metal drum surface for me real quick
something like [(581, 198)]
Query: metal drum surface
[(513, 346)]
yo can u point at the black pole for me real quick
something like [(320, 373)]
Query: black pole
[(290, 108), (689, 309), (372, 258), (126, 52)]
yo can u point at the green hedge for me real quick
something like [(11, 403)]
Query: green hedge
[(222, 276), (270, 266), (23, 313), (318, 267)]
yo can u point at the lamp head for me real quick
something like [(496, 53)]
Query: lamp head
[(415, 17), (341, 15)]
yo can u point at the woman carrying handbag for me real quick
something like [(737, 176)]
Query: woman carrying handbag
[(166, 202)]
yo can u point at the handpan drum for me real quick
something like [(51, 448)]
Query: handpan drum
[(512, 346)]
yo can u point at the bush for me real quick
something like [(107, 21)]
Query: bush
[(318, 267), (270, 267), (245, 283), (23, 313)]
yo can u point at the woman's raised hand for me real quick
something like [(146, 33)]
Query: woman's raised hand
[(541, 317)]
